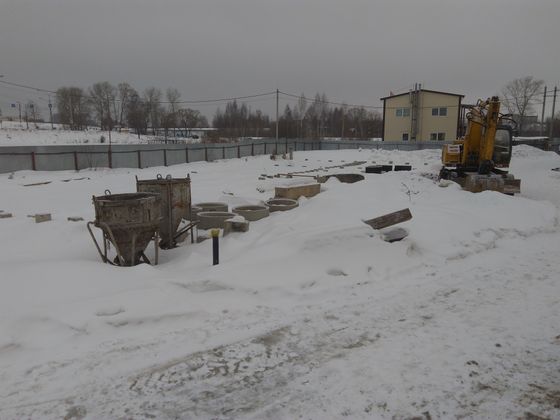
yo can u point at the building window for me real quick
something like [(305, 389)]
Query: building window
[(403, 112), (442, 112), (437, 136), (405, 137)]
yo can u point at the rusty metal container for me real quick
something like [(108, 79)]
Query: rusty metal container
[(129, 222), (175, 196)]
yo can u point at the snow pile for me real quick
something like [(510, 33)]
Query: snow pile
[(309, 314)]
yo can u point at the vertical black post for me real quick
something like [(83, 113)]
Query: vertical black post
[(187, 155), (223, 152), (33, 162), (110, 157), (215, 246), (76, 161), (206, 153), (252, 149), (238, 152), (139, 160), (164, 157)]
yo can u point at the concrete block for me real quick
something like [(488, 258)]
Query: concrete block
[(40, 218), (5, 215), (296, 191)]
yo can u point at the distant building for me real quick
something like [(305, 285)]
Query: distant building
[(421, 115)]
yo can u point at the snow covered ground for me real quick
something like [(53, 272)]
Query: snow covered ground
[(15, 134), (310, 314)]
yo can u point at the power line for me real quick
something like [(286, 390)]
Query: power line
[(199, 101)]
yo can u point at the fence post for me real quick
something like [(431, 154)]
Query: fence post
[(238, 152), (139, 159), (223, 152), (206, 153), (76, 161), (110, 158), (164, 157), (33, 162), (252, 149)]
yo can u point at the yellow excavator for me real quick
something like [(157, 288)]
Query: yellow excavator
[(479, 161)]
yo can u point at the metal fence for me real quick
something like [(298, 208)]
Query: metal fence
[(77, 157)]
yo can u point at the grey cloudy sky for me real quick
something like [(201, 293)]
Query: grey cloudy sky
[(353, 50)]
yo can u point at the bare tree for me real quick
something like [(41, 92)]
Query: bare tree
[(102, 97), (73, 108), (136, 113), (124, 93), (519, 96), (152, 101), (173, 96)]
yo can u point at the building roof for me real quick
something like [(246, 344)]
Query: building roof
[(423, 90)]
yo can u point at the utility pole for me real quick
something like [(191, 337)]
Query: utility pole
[(542, 117), (277, 92), (50, 112), (552, 119)]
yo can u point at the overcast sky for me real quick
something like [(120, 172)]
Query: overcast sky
[(353, 50)]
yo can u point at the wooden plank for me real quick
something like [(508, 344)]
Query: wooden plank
[(389, 219)]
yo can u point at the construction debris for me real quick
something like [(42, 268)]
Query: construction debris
[(389, 219), (394, 235), (75, 219), (37, 183), (5, 215), (40, 218)]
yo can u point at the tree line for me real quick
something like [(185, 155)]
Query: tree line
[(122, 106)]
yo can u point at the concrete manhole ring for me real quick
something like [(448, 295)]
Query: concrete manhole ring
[(213, 206), (213, 219), (252, 212), (281, 204)]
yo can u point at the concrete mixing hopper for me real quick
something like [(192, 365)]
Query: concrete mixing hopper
[(129, 222), (175, 196)]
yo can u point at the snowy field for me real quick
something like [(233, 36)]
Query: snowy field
[(15, 134), (310, 314)]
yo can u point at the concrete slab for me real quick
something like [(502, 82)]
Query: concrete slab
[(296, 191)]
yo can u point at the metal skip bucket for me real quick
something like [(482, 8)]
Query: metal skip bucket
[(175, 196), (129, 222)]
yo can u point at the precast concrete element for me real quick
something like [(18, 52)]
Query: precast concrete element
[(212, 206), (129, 222), (403, 168), (374, 169), (213, 219), (387, 168), (234, 225), (175, 196), (194, 213), (345, 178), (281, 204), (253, 212), (296, 191)]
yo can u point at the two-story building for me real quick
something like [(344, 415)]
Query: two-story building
[(420, 115)]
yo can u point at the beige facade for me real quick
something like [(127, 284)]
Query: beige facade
[(421, 115)]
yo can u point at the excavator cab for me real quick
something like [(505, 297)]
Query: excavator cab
[(501, 155)]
